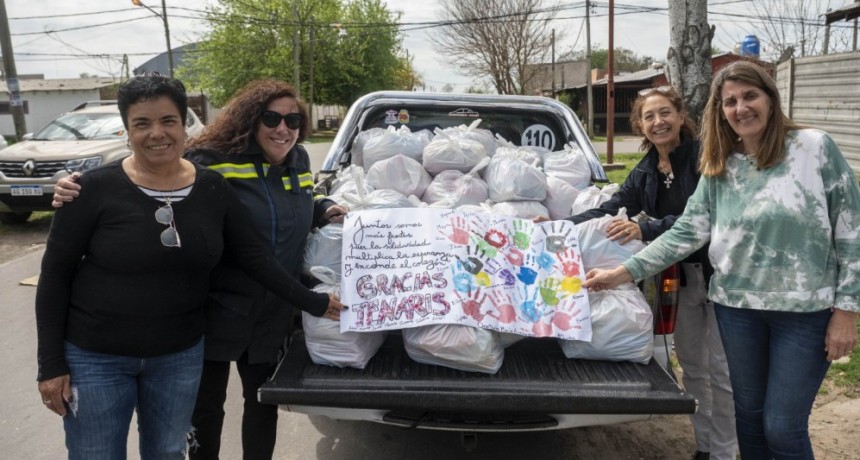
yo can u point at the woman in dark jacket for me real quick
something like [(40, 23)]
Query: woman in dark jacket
[(253, 144), (659, 186)]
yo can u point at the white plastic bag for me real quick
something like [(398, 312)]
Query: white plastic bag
[(348, 180), (357, 151), (472, 132), (325, 343), (452, 345), (569, 165), (511, 177), (598, 251), (323, 249), (593, 197), (377, 199), (521, 209), (621, 328), (560, 197), (445, 153), (395, 142), (399, 173), (453, 188)]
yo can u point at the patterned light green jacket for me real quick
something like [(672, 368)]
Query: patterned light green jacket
[(785, 238)]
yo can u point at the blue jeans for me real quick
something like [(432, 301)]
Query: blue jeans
[(776, 365), (106, 389)]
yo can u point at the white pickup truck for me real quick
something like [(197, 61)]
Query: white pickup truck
[(537, 387)]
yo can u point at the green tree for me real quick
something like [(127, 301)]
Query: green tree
[(251, 39), (625, 59)]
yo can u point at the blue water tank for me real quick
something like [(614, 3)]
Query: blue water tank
[(750, 46)]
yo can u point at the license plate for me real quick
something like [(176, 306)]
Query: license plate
[(27, 190)]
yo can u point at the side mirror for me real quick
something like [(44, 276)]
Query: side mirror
[(27, 137)]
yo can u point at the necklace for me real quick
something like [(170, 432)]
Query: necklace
[(669, 178)]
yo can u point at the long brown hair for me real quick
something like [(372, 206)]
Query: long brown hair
[(718, 137), (236, 125), (688, 128)]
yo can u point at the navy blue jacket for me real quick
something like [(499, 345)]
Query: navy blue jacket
[(241, 314)]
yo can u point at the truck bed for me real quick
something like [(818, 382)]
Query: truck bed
[(535, 379)]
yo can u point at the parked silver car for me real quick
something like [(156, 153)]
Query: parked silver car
[(89, 136)]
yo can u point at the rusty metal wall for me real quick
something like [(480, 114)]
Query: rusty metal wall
[(824, 92)]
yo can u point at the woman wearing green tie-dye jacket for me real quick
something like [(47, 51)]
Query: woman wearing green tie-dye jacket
[(781, 209)]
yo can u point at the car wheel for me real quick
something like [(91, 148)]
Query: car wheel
[(14, 218)]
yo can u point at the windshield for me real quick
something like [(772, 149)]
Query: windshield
[(79, 126), (516, 125)]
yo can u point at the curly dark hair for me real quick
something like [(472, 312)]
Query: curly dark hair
[(149, 86), (236, 125)]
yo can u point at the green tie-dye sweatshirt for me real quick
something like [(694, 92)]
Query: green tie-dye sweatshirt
[(785, 238)]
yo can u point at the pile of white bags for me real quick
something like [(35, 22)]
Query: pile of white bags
[(621, 328), (326, 344), (460, 347)]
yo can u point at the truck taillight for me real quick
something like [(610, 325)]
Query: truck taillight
[(669, 282)]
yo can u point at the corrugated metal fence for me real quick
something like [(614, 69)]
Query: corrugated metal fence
[(824, 92)]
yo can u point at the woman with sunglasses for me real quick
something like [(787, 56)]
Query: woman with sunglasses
[(659, 186), (124, 281), (780, 208), (254, 144)]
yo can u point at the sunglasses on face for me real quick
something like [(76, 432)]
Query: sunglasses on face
[(273, 119), (164, 216), (665, 89)]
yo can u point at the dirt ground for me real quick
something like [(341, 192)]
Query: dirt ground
[(834, 426)]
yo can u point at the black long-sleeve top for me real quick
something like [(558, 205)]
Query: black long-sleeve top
[(108, 285)]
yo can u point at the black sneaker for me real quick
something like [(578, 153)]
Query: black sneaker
[(699, 455)]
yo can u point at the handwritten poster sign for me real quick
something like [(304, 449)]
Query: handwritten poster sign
[(412, 267)]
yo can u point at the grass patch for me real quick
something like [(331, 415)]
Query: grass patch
[(629, 160), (847, 375), (38, 221), (321, 136)]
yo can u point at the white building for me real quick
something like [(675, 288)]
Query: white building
[(45, 99)]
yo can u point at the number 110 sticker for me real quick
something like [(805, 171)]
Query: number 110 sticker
[(539, 136)]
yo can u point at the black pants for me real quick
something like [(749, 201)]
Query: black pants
[(259, 421)]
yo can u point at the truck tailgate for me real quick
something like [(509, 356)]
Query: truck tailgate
[(535, 378)]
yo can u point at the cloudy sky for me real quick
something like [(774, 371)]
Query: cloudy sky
[(49, 36)]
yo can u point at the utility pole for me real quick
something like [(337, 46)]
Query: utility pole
[(297, 82), (16, 105), (553, 63), (163, 17), (589, 125), (167, 36), (610, 87), (311, 75)]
